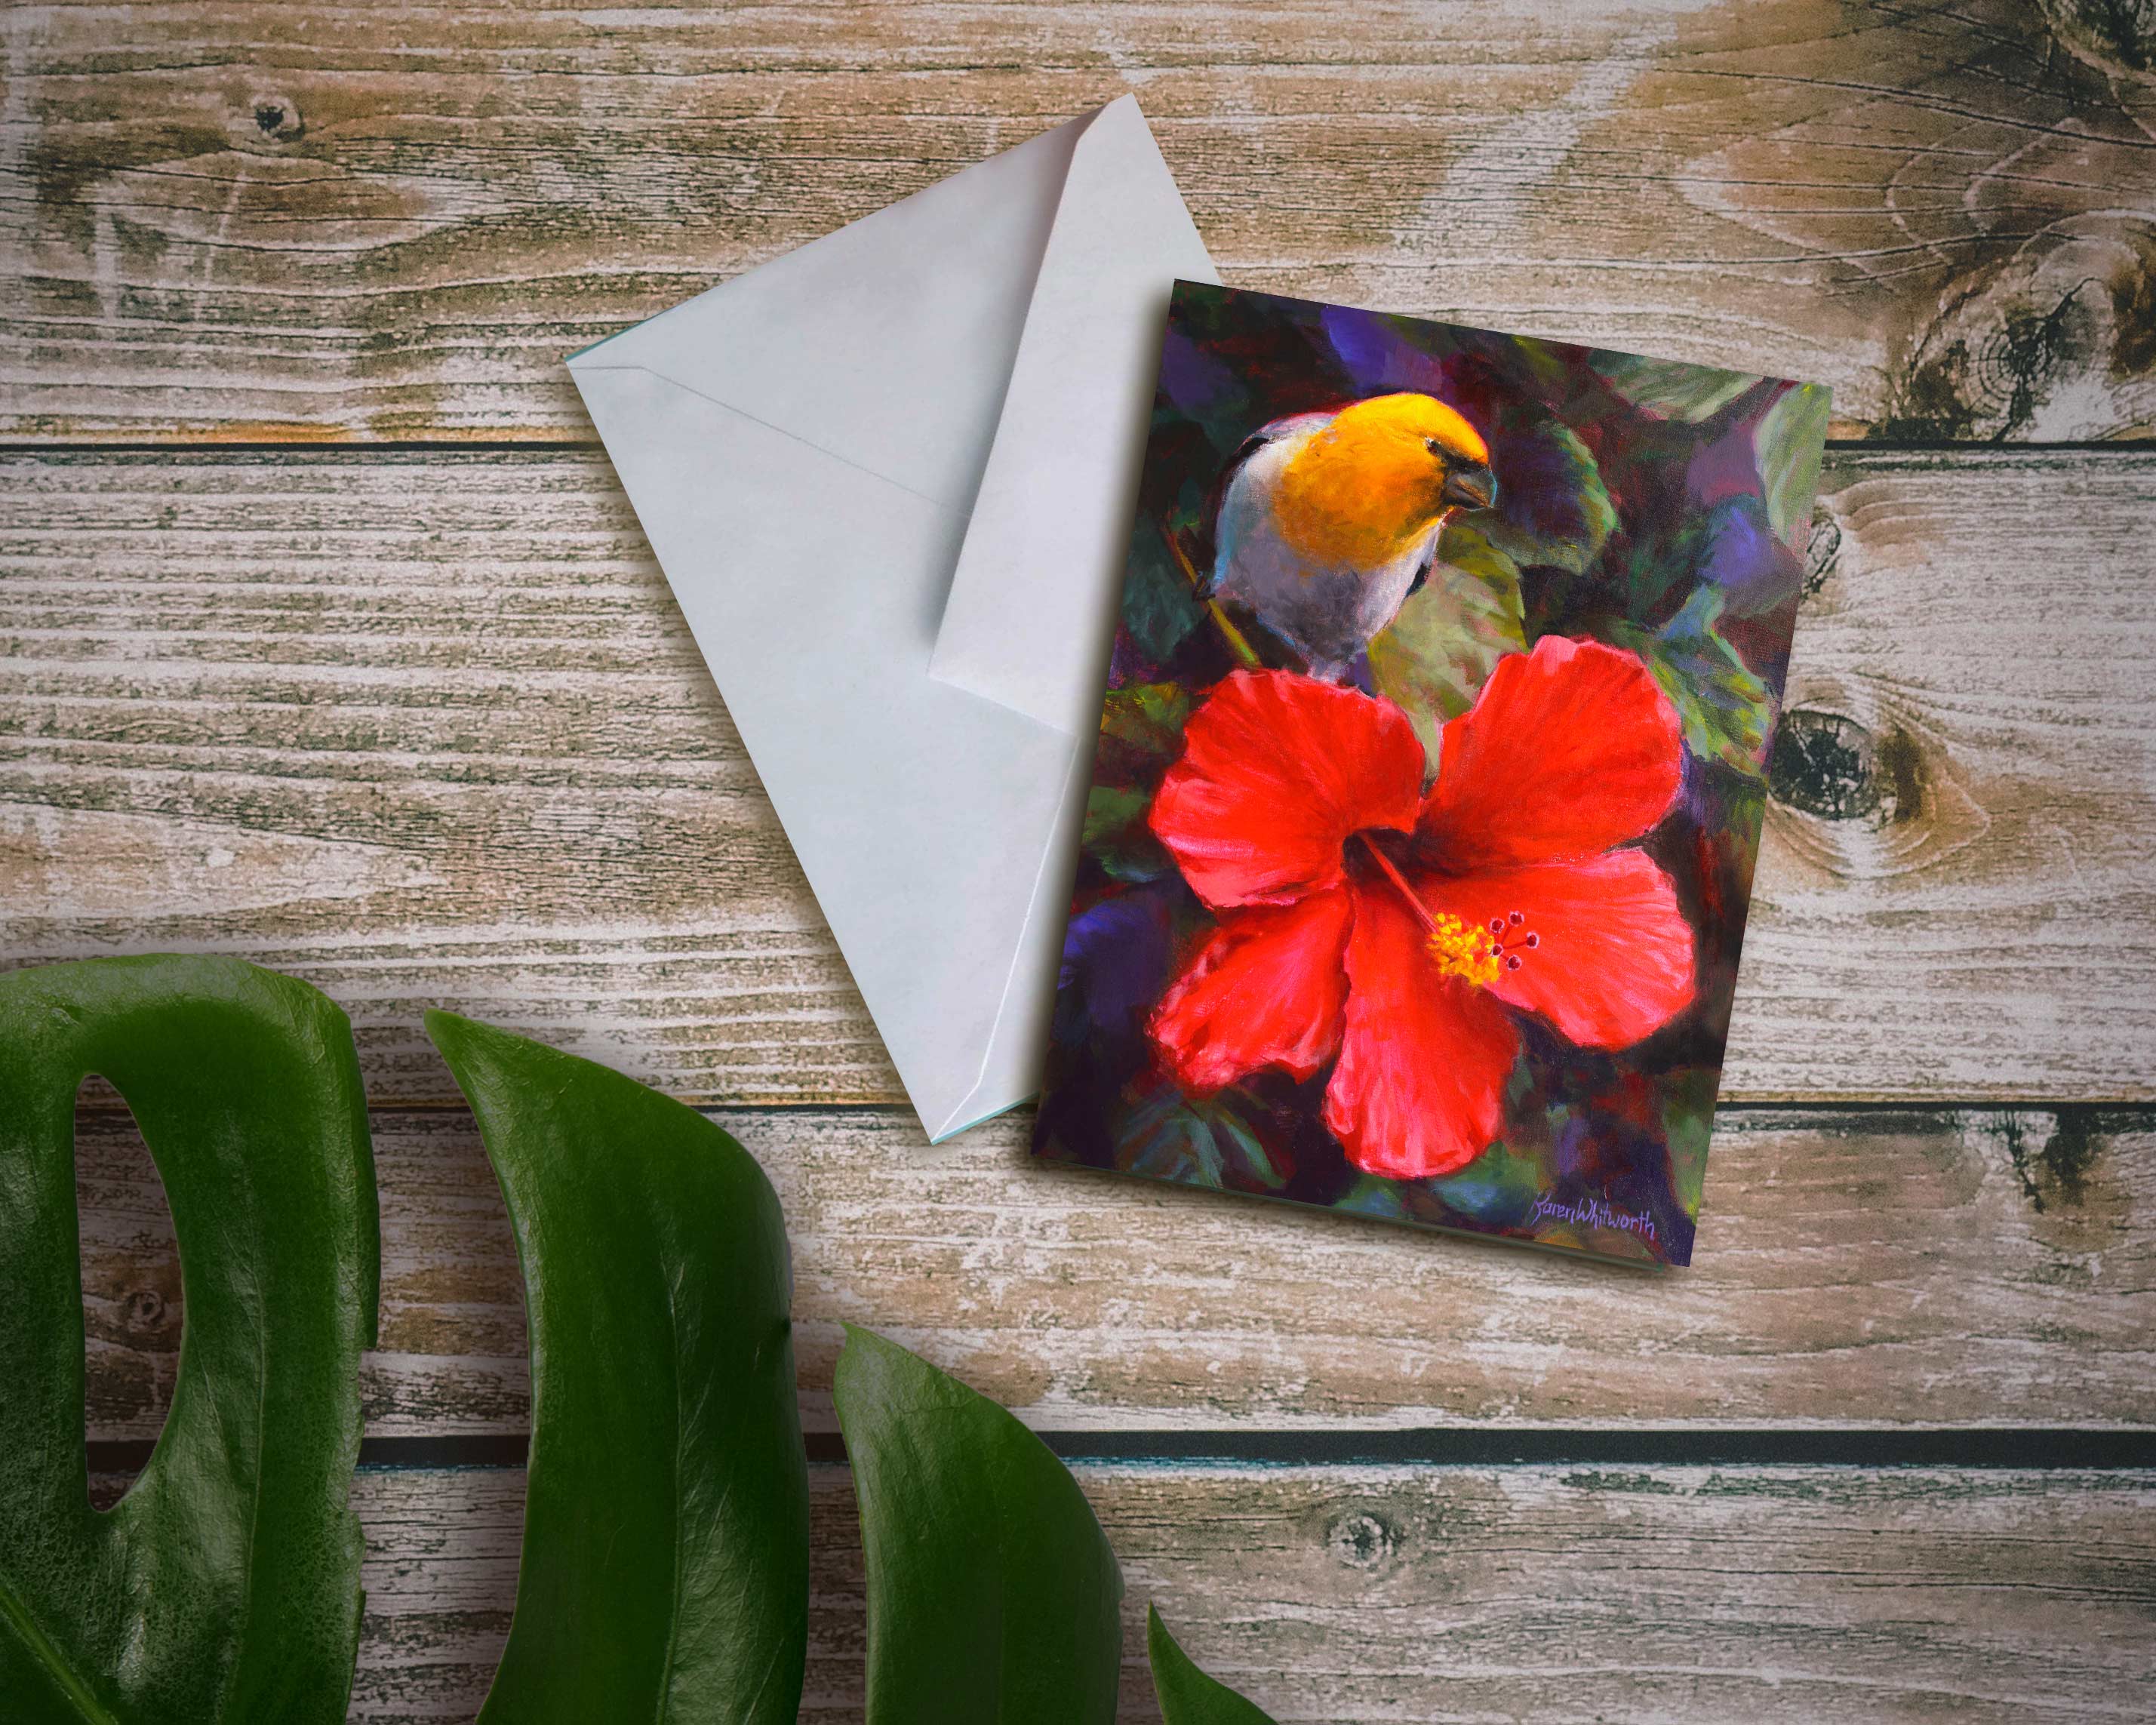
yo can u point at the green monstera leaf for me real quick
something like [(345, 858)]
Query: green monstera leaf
[(1187, 1697), (666, 1567), (224, 1589), (1435, 657), (993, 1598)]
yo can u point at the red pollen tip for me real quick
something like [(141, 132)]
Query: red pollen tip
[(1513, 962), (1497, 925), (1515, 918), (1534, 940)]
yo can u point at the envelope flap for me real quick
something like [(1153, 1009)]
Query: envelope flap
[(888, 343), (931, 824), (1030, 611)]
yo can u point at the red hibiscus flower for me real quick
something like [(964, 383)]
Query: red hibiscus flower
[(1393, 933)]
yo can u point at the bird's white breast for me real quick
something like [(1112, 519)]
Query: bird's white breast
[(1327, 611)]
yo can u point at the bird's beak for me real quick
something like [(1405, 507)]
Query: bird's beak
[(1470, 485)]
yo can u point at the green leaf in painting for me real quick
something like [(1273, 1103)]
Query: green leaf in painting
[(1728, 711), (1222, 1140), (1187, 1697), (1687, 1119), (224, 1589), (1789, 447), (666, 1566), (1116, 835), (1142, 730), (1553, 509), (1672, 388), (1499, 1187), (1435, 657), (1159, 610), (992, 1596)]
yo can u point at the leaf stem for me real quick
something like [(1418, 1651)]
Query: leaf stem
[(1238, 642)]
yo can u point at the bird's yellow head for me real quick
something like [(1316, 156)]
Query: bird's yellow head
[(1366, 487)]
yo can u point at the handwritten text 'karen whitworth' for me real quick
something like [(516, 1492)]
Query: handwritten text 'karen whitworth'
[(1592, 1213)]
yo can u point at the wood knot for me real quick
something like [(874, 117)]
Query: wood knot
[(2055, 1171), (1362, 1540), (277, 118), (146, 1310), (1822, 549), (2117, 35), (1826, 764)]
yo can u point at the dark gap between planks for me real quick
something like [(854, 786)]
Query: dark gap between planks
[(2030, 1449)]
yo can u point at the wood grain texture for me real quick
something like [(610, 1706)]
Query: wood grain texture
[(1353, 1596), (1881, 1266), (245, 220), (426, 729)]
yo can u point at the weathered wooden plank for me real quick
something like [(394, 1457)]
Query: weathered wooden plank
[(1359, 1594), (426, 729), (225, 220), (1898, 1267)]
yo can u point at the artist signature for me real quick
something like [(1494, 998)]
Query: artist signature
[(1594, 1214)]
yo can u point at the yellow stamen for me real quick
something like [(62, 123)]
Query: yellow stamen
[(1463, 950)]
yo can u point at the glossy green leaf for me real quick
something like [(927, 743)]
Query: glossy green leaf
[(666, 1566), (1788, 446), (1438, 651), (224, 1589), (993, 1596), (1187, 1697), (1671, 387)]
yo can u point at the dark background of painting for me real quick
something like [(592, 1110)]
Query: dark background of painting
[(1658, 506)]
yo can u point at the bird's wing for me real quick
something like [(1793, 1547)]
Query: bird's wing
[(1429, 563)]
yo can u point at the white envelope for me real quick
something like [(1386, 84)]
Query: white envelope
[(890, 477)]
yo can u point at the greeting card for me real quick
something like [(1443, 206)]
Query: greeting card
[(1430, 773)]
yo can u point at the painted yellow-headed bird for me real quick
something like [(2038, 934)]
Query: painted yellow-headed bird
[(1329, 520)]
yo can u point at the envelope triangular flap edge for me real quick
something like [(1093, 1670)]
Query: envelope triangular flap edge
[(902, 796), (1032, 606), (888, 343), (801, 445)]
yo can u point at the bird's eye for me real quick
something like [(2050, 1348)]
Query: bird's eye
[(1430, 444)]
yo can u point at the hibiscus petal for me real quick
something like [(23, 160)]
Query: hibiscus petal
[(1568, 750), (1277, 771), (1612, 960), (1265, 990), (1419, 1089)]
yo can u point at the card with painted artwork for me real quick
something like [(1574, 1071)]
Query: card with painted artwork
[(1430, 773)]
